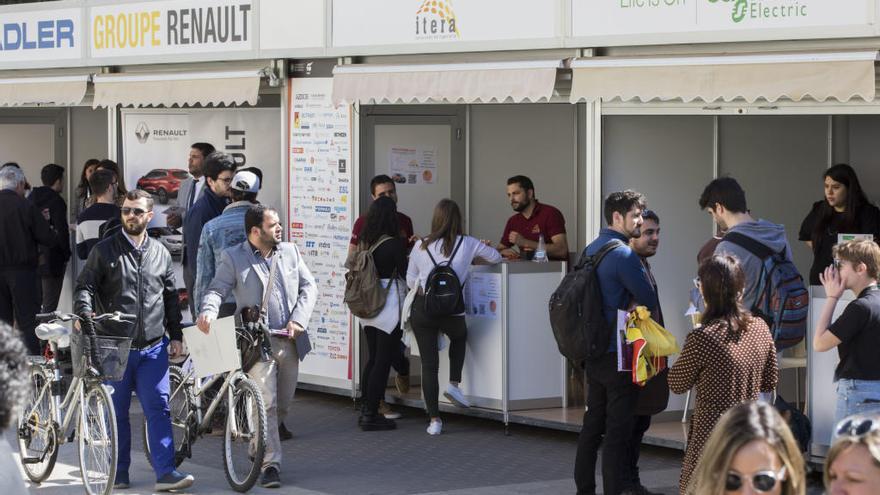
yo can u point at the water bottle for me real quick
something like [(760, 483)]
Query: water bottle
[(541, 251)]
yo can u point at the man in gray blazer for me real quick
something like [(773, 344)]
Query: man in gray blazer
[(244, 271)]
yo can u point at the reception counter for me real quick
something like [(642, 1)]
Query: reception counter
[(512, 361)]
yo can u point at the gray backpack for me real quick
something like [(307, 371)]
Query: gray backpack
[(364, 294)]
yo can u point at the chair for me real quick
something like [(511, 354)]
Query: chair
[(796, 360)]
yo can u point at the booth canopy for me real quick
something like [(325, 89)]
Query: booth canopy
[(770, 77), (465, 82), (169, 89), (54, 91)]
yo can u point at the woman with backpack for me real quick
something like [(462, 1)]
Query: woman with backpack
[(730, 358), (381, 237), (438, 269)]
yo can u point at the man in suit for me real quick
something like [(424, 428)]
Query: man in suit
[(189, 193), (245, 271)]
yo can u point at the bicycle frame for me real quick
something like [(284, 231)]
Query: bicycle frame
[(62, 411), (204, 421)]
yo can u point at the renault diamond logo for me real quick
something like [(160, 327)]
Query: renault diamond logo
[(142, 132)]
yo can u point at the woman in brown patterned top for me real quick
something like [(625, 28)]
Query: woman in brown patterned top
[(730, 359)]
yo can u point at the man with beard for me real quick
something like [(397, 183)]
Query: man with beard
[(611, 394), (131, 273), (654, 396), (531, 221), (245, 271)]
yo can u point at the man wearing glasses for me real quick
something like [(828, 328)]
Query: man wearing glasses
[(131, 273), (219, 169)]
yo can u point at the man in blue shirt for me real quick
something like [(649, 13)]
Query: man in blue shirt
[(219, 168), (612, 397)]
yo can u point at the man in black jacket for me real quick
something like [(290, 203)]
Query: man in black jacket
[(131, 273), (53, 260), (22, 228)]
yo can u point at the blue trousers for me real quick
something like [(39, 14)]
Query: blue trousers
[(147, 376)]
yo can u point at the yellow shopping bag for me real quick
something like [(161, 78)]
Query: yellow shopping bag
[(650, 342)]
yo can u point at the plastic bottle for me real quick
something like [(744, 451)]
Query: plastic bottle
[(541, 251)]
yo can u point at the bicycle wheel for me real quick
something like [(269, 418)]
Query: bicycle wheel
[(37, 437), (244, 441), (183, 425), (98, 443)]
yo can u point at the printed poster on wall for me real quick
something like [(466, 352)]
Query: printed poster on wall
[(155, 154), (412, 165), (320, 217), (482, 295)]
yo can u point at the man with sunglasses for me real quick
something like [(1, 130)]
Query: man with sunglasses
[(131, 273), (219, 169)]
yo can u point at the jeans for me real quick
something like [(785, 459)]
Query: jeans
[(611, 399), (276, 380), (147, 375), (856, 397), (20, 295), (382, 348), (427, 331)]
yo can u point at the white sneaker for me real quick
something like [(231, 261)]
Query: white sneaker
[(436, 427), (455, 396)]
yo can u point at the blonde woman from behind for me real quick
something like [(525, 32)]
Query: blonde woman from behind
[(751, 450)]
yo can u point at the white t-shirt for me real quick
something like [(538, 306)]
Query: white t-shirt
[(420, 264)]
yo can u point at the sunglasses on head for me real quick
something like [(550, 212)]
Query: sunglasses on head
[(126, 211), (762, 481), (855, 427)]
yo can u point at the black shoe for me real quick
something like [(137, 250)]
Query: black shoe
[(639, 489), (376, 422), (270, 478), (283, 433)]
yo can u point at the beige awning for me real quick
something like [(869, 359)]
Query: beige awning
[(52, 91), (769, 77), (466, 82), (202, 88)]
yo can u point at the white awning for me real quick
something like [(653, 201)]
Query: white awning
[(466, 82), (53, 91), (839, 75), (202, 88)]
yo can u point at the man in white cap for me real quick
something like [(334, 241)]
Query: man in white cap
[(226, 231)]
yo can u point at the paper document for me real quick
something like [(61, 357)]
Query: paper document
[(624, 349), (215, 352)]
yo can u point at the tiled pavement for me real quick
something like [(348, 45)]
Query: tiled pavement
[(330, 455)]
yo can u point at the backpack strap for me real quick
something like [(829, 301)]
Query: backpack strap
[(607, 248), (758, 249), (449, 261), (379, 242)]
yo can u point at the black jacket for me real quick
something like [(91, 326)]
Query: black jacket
[(22, 228), (53, 260), (119, 278)]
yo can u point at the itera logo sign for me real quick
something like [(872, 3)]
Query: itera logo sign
[(756, 10), (142, 132), (435, 20)]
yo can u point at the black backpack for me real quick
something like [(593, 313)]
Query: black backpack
[(443, 294), (577, 315)]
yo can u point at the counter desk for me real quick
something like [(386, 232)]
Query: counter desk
[(512, 360)]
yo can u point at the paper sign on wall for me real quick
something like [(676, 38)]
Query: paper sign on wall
[(412, 165)]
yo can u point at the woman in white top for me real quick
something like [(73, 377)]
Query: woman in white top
[(446, 245)]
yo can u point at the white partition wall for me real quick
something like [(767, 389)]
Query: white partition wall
[(670, 160)]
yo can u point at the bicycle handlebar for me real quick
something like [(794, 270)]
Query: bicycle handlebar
[(59, 316)]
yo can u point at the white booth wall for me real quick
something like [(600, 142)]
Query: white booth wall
[(862, 150)]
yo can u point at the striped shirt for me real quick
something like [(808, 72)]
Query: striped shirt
[(88, 226)]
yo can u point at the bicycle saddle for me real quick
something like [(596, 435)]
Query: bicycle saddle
[(52, 332)]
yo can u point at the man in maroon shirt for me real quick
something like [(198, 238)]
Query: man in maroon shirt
[(380, 186), (532, 219)]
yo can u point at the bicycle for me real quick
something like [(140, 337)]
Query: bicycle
[(245, 425), (47, 421)]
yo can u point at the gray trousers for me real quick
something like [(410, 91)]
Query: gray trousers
[(277, 382)]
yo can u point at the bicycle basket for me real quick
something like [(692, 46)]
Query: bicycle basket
[(109, 356)]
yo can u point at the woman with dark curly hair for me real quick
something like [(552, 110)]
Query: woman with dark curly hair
[(13, 390), (730, 358)]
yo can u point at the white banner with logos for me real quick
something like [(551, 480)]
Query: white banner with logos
[(320, 219), (171, 27), (40, 35), (398, 22), (594, 18), (155, 151)]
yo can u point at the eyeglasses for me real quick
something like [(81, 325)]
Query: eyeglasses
[(126, 211), (855, 427), (762, 481)]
